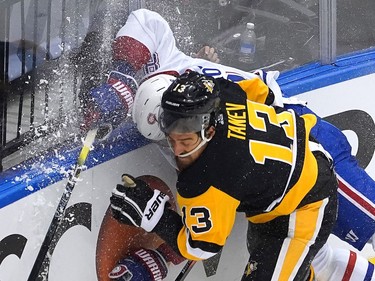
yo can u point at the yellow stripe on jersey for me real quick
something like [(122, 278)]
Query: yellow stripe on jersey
[(304, 184), (256, 90), (208, 218), (304, 226)]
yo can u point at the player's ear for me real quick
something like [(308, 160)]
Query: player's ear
[(210, 132)]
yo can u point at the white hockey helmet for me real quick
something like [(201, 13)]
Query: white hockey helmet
[(147, 103)]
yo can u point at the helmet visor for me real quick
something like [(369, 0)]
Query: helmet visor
[(182, 123)]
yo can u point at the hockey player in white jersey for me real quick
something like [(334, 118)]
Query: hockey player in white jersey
[(145, 47)]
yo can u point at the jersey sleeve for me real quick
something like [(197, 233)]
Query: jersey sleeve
[(207, 222), (145, 35), (269, 78), (257, 91)]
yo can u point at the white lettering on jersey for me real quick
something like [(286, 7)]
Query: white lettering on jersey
[(217, 73)]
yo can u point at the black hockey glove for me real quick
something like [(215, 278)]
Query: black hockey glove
[(135, 203)]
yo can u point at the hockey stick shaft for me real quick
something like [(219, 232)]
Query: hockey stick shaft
[(57, 218), (185, 270)]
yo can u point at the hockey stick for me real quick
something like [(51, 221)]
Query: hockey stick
[(210, 265), (185, 270), (57, 218)]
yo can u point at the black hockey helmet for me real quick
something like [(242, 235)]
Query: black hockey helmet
[(190, 104)]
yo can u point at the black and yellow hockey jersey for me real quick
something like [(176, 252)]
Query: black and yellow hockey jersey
[(258, 162)]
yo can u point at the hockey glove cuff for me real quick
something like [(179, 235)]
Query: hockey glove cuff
[(142, 265), (112, 101)]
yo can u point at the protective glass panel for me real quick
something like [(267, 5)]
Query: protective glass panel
[(287, 32), (355, 25)]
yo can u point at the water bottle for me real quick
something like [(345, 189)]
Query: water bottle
[(248, 44)]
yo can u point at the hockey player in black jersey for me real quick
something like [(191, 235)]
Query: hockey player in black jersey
[(239, 155)]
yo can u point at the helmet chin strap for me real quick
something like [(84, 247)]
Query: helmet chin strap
[(202, 143)]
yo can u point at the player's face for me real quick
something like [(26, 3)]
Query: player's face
[(183, 143)]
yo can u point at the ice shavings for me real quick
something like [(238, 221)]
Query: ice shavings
[(43, 81)]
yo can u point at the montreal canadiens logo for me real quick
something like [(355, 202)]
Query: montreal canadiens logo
[(151, 118), (119, 271)]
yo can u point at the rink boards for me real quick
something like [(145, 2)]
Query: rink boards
[(29, 194)]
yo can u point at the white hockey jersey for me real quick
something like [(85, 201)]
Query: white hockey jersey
[(158, 53)]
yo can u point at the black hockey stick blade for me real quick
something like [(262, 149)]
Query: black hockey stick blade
[(56, 221), (104, 131), (185, 270), (210, 265)]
